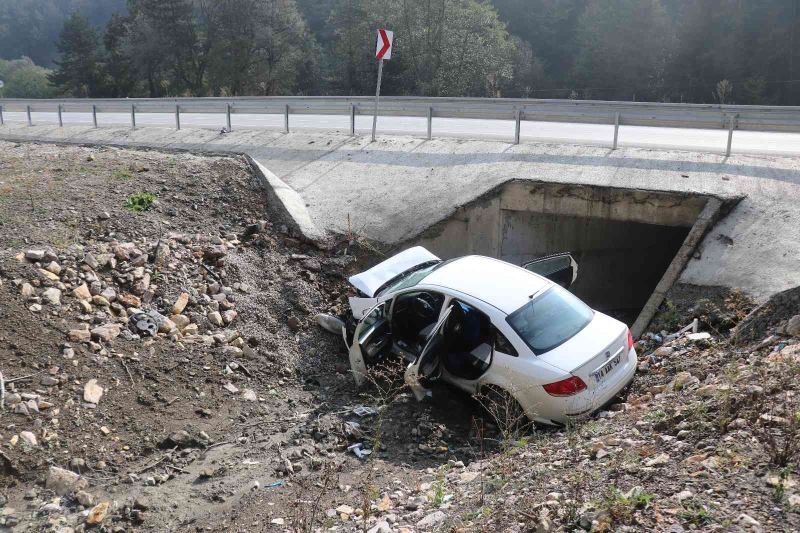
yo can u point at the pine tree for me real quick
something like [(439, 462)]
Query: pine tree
[(78, 71)]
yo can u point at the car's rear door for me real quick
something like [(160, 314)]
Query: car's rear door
[(558, 268)]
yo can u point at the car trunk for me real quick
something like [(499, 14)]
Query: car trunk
[(573, 356)]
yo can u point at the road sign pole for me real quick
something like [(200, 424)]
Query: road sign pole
[(133, 116), (30, 121), (60, 118), (1, 116), (377, 97), (177, 117)]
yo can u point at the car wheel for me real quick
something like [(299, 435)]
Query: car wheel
[(504, 411)]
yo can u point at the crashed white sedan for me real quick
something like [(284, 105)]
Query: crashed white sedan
[(484, 324)]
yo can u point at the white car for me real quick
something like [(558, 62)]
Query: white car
[(481, 324)]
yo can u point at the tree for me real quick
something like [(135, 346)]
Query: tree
[(78, 70), (24, 79), (261, 47), (625, 46), (169, 43), (120, 78)]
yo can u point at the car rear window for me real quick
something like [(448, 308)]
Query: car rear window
[(550, 320)]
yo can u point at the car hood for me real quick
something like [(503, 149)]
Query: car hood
[(373, 279)]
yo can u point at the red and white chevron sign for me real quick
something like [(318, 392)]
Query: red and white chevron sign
[(383, 48)]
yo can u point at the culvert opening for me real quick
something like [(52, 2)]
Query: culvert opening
[(624, 240)]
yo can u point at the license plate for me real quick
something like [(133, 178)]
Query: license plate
[(606, 369)]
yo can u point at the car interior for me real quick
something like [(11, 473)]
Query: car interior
[(413, 318)]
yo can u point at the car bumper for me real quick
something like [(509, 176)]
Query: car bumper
[(557, 410)]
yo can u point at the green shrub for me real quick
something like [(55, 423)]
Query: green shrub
[(141, 201)]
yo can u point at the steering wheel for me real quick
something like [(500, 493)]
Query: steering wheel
[(423, 307)]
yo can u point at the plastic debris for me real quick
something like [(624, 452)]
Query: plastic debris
[(358, 450), (363, 410), (698, 336)]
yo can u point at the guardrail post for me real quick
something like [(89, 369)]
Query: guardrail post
[(228, 115), (286, 119), (731, 119), (518, 120), (94, 115), (28, 110), (133, 116), (2, 121), (60, 119), (177, 117), (430, 122), (352, 119), (616, 131)]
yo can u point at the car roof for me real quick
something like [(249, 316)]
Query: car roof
[(500, 284)]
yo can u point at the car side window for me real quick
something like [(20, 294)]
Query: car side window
[(502, 344)]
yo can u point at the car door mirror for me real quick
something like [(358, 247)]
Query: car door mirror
[(559, 268)]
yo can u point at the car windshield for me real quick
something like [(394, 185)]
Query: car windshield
[(550, 320), (407, 279)]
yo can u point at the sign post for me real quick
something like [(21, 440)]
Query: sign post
[(383, 50)]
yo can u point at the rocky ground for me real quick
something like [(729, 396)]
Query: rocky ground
[(163, 372)]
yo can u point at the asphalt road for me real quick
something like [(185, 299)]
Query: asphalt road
[(633, 136)]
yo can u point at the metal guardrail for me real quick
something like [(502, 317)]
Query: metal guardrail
[(700, 116)]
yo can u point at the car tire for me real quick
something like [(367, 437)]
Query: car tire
[(503, 409)]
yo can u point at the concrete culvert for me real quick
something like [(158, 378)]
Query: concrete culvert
[(623, 240)]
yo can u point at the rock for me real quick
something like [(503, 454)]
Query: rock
[(180, 303), (166, 325), (249, 395), (109, 294), (432, 520), (706, 391), (792, 327), (664, 351), (294, 323), (230, 387), (180, 321), (90, 261), (215, 318), (28, 438), (748, 521), (34, 255), (27, 290), (100, 300), (84, 498), (53, 268), (215, 252), (659, 460), (345, 511), (48, 275), (381, 527), (191, 329), (79, 335), (682, 379), (35, 308), (82, 292), (92, 392), (64, 482), (229, 316), (106, 332), (52, 295), (97, 514), (684, 495), (48, 381), (129, 300)]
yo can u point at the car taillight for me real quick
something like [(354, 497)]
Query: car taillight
[(565, 387), (630, 340)]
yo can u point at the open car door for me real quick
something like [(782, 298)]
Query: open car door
[(558, 268), (428, 363), (371, 340)]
